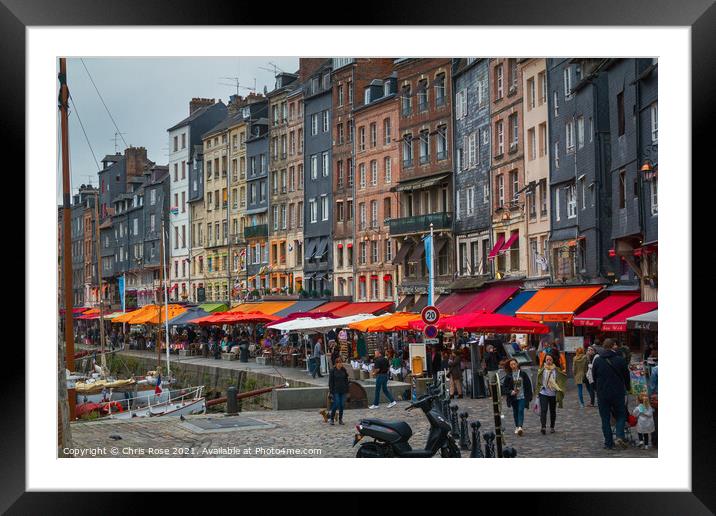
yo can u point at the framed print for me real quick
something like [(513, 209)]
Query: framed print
[(242, 233)]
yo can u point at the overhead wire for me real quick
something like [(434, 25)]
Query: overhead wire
[(103, 102)]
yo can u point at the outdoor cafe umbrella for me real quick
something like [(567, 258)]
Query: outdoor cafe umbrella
[(491, 323), (186, 317)]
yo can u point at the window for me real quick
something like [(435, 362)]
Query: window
[(339, 174), (440, 89), (361, 138), (442, 142), (300, 214), (654, 110), (373, 135), (350, 171), (388, 166), (556, 104), (532, 144), (531, 93), (387, 208), (361, 215), (423, 95), (313, 210), (314, 124), (498, 82), (339, 211), (314, 166), (556, 154), (514, 131), (569, 127), (543, 197), (654, 197), (472, 149), (513, 75), (324, 165), (620, 113), (556, 204), (374, 173), (362, 258), (571, 201), (500, 191), (406, 100), (326, 121), (532, 204), (324, 207), (583, 189), (275, 218), (461, 104), (361, 174), (340, 134), (543, 139), (388, 251), (500, 138), (481, 93), (176, 143), (580, 132), (514, 185), (567, 77), (457, 205), (386, 131), (339, 89), (374, 256), (622, 189), (470, 200), (408, 150), (374, 214), (424, 146)]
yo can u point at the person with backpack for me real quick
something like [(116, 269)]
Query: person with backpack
[(612, 382)]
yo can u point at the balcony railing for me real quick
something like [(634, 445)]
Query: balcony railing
[(420, 223), (260, 230)]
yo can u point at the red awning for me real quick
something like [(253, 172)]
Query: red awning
[(363, 308), (513, 237), (491, 323), (449, 305), (496, 249), (618, 322), (329, 307), (489, 299), (595, 315)]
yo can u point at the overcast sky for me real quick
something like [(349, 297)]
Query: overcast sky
[(145, 97)]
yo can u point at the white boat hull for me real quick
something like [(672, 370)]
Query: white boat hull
[(169, 408)]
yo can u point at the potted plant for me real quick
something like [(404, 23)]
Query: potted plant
[(326, 292), (314, 293)]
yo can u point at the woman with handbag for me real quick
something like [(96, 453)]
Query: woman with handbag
[(579, 370), (518, 388), (550, 387)]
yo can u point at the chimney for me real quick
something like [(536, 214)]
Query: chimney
[(136, 161), (197, 103), (236, 102)]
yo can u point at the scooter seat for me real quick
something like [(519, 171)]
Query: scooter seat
[(400, 427)]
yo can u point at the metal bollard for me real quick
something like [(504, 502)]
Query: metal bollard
[(476, 452), (509, 452), (464, 436), (489, 444), (454, 421), (231, 403)]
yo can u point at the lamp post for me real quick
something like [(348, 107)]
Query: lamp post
[(650, 167)]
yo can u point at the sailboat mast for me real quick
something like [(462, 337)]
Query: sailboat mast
[(66, 219), (161, 276), (99, 282), (166, 308)]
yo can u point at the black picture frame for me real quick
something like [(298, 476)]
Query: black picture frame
[(700, 15)]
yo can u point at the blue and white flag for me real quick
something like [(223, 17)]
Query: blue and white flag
[(429, 262), (120, 283)]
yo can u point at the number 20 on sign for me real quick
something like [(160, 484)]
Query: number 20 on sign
[(430, 315)]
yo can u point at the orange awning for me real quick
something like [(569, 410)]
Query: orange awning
[(125, 318), (329, 307), (367, 325), (264, 307), (155, 314), (556, 304)]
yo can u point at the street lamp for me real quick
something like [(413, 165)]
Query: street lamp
[(649, 169)]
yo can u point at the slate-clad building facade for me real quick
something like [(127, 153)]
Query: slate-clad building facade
[(256, 230), (318, 182), (580, 184), (471, 153)]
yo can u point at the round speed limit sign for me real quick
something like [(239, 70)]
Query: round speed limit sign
[(430, 315)]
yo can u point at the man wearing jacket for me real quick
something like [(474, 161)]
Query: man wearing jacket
[(611, 379)]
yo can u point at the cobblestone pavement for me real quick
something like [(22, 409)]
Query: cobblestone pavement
[(578, 433)]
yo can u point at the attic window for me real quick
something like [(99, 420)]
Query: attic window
[(117, 177)]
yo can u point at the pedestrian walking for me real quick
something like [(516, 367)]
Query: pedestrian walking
[(550, 386), (612, 382), (338, 387), (589, 378), (380, 371), (644, 420), (579, 370), (492, 362), (455, 375), (518, 388), (316, 358)]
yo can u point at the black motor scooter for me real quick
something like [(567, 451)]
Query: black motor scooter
[(391, 437)]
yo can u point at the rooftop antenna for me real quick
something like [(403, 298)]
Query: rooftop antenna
[(116, 135), (237, 84), (274, 68)]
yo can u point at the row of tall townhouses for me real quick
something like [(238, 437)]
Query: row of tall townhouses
[(537, 170), (425, 186)]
